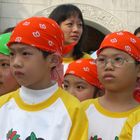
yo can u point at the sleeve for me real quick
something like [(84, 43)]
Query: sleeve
[(127, 130), (79, 130)]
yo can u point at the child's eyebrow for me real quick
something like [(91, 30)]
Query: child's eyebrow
[(19, 49), (66, 81), (3, 60)]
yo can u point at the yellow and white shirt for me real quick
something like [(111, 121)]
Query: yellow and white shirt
[(67, 60), (33, 114), (103, 124), (131, 129)]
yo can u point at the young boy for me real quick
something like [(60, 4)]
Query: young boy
[(39, 109), (81, 79), (131, 129), (118, 69), (7, 81)]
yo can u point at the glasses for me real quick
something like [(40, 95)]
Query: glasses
[(116, 61)]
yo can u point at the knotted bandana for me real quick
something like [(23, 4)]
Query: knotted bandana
[(85, 69), (124, 41)]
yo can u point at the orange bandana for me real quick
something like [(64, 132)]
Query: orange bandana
[(85, 69), (40, 32), (124, 41)]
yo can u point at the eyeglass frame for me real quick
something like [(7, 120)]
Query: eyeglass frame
[(113, 61)]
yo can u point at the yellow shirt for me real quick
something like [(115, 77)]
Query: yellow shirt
[(68, 60), (58, 117), (104, 124), (131, 129)]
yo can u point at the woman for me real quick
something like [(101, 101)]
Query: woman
[(70, 19)]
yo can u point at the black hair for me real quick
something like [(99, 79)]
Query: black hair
[(137, 31), (98, 92), (63, 12), (44, 53), (7, 30)]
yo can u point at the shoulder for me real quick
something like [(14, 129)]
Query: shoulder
[(86, 55), (134, 118), (69, 99), (72, 104), (5, 98), (85, 104)]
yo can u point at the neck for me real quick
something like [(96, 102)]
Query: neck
[(68, 54), (118, 101), (31, 96)]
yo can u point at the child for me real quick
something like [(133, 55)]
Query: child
[(7, 81), (39, 109), (137, 90), (81, 79), (118, 69)]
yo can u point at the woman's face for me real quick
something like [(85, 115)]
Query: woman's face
[(72, 28)]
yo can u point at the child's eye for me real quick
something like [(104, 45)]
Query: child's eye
[(80, 87), (26, 53), (11, 53), (118, 59), (100, 60), (5, 65), (65, 86)]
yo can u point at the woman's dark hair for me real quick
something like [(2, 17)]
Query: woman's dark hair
[(63, 12), (137, 31)]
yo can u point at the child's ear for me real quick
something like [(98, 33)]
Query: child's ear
[(138, 70), (54, 60)]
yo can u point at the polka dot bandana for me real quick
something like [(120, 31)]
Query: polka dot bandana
[(39, 32), (4, 38), (124, 41), (85, 69)]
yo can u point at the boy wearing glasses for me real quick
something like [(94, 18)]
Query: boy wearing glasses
[(118, 69)]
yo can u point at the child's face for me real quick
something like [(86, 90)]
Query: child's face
[(116, 69), (29, 66), (72, 29), (78, 87), (7, 81)]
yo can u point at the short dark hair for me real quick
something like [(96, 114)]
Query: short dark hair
[(63, 12), (137, 31), (9, 29), (44, 53)]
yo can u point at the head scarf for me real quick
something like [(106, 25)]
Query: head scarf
[(4, 38), (85, 69), (124, 41), (68, 48), (42, 33)]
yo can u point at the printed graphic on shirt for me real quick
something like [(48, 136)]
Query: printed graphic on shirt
[(12, 135), (97, 138)]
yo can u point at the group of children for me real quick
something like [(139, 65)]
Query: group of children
[(36, 107)]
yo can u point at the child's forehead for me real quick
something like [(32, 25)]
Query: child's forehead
[(22, 47), (112, 51), (74, 78)]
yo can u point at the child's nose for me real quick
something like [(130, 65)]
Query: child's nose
[(109, 64)]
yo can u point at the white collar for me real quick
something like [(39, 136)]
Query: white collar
[(31, 96)]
